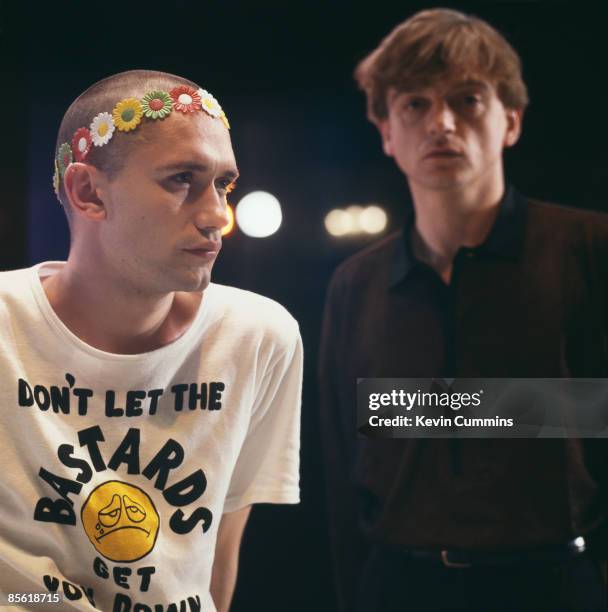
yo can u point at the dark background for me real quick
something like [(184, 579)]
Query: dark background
[(282, 71)]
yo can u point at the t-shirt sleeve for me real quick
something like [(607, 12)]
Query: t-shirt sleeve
[(268, 467)]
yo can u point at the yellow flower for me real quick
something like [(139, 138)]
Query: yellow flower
[(127, 114), (224, 120)]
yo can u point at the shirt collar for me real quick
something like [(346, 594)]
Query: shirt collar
[(504, 240)]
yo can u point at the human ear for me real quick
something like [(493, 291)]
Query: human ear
[(80, 183), (384, 128), (513, 130)]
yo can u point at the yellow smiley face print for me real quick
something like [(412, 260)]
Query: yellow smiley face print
[(121, 521)]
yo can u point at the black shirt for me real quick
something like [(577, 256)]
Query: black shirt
[(531, 301)]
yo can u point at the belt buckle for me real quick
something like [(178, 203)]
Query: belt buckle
[(446, 561)]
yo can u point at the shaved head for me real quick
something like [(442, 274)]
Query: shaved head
[(102, 97)]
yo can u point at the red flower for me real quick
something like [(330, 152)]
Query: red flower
[(185, 99), (81, 144)]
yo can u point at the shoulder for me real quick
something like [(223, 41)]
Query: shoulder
[(14, 287), (556, 217), (571, 230), (14, 281), (17, 301), (251, 314)]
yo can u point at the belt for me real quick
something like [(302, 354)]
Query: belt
[(463, 559)]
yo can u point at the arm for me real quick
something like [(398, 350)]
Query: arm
[(226, 561), (267, 466), (348, 547), (595, 364)]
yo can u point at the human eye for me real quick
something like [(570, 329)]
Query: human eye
[(469, 101), (181, 178), (413, 104), (226, 185)]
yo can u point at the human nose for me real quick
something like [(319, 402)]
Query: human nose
[(212, 210), (441, 119)]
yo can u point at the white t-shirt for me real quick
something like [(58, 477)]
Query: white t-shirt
[(116, 469)]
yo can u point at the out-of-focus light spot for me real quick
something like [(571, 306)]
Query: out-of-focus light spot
[(228, 228), (258, 214), (372, 220), (338, 222), (354, 211), (356, 219)]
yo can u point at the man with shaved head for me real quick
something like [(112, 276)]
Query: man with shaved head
[(145, 409), (481, 282)]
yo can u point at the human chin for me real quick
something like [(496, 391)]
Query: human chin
[(438, 181), (195, 279), (444, 171)]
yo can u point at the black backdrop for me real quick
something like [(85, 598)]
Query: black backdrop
[(283, 73)]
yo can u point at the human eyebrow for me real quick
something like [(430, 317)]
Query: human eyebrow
[(185, 166), (406, 94), (480, 85), (182, 166), (231, 174)]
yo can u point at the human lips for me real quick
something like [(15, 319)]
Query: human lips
[(443, 152), (207, 250)]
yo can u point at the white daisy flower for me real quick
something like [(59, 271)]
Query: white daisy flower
[(102, 129), (210, 105)]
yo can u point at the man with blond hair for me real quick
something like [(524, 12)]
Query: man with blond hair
[(144, 408), (481, 282)]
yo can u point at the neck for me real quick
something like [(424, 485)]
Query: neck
[(117, 318), (448, 220)]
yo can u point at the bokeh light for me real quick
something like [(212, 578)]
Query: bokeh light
[(228, 228), (338, 222), (355, 220), (354, 211), (373, 220), (258, 214)]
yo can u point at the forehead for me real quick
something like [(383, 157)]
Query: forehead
[(192, 137), (445, 86)]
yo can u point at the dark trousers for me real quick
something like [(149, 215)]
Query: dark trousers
[(393, 583)]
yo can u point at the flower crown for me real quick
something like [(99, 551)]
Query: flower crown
[(126, 116)]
